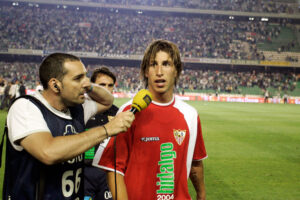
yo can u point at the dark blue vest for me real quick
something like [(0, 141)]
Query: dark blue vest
[(27, 178)]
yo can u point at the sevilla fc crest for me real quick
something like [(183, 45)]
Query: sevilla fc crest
[(179, 135)]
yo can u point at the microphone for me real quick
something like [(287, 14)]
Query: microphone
[(141, 101)]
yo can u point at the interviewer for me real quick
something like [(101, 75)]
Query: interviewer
[(46, 133)]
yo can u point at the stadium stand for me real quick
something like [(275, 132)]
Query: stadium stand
[(278, 6), (224, 52), (192, 80), (108, 32)]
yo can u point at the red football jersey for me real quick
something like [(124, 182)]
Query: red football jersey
[(156, 153)]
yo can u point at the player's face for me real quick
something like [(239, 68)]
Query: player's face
[(105, 81), (74, 83), (161, 74)]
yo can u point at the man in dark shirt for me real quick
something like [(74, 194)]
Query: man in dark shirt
[(6, 100), (22, 89), (95, 184)]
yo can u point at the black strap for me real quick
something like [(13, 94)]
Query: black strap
[(2, 143), (115, 165)]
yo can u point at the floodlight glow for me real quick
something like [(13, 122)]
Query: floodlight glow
[(264, 19)]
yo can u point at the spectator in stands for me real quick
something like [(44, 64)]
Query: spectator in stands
[(191, 79), (197, 37), (237, 5)]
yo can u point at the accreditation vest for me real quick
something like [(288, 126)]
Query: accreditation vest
[(27, 178)]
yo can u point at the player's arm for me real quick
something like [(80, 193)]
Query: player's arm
[(51, 150), (121, 187), (101, 96), (197, 178)]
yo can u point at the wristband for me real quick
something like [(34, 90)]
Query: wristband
[(91, 89), (105, 131)]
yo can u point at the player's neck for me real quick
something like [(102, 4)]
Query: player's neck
[(162, 98)]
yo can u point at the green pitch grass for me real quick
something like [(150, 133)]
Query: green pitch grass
[(2, 122), (253, 150)]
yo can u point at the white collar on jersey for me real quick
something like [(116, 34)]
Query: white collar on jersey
[(165, 104)]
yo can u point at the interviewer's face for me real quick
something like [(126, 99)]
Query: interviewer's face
[(161, 74), (74, 83)]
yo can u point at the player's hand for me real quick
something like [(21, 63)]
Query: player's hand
[(120, 123)]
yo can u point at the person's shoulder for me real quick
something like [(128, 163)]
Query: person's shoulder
[(23, 100), (22, 105), (183, 106), (125, 106)]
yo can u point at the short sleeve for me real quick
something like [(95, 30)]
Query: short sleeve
[(123, 144), (90, 109), (24, 118), (200, 151)]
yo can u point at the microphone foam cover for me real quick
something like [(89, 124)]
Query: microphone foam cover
[(141, 100)]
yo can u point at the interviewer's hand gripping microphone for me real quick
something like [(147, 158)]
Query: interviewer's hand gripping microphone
[(140, 101)]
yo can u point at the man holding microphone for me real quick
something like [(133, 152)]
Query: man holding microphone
[(47, 136)]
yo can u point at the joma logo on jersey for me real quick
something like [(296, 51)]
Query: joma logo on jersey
[(149, 139), (166, 175), (179, 135)]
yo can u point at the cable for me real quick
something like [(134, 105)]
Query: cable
[(115, 165)]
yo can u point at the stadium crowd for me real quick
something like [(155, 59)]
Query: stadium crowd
[(228, 5), (108, 32), (230, 82), (190, 80)]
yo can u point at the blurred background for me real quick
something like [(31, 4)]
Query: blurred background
[(233, 50)]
